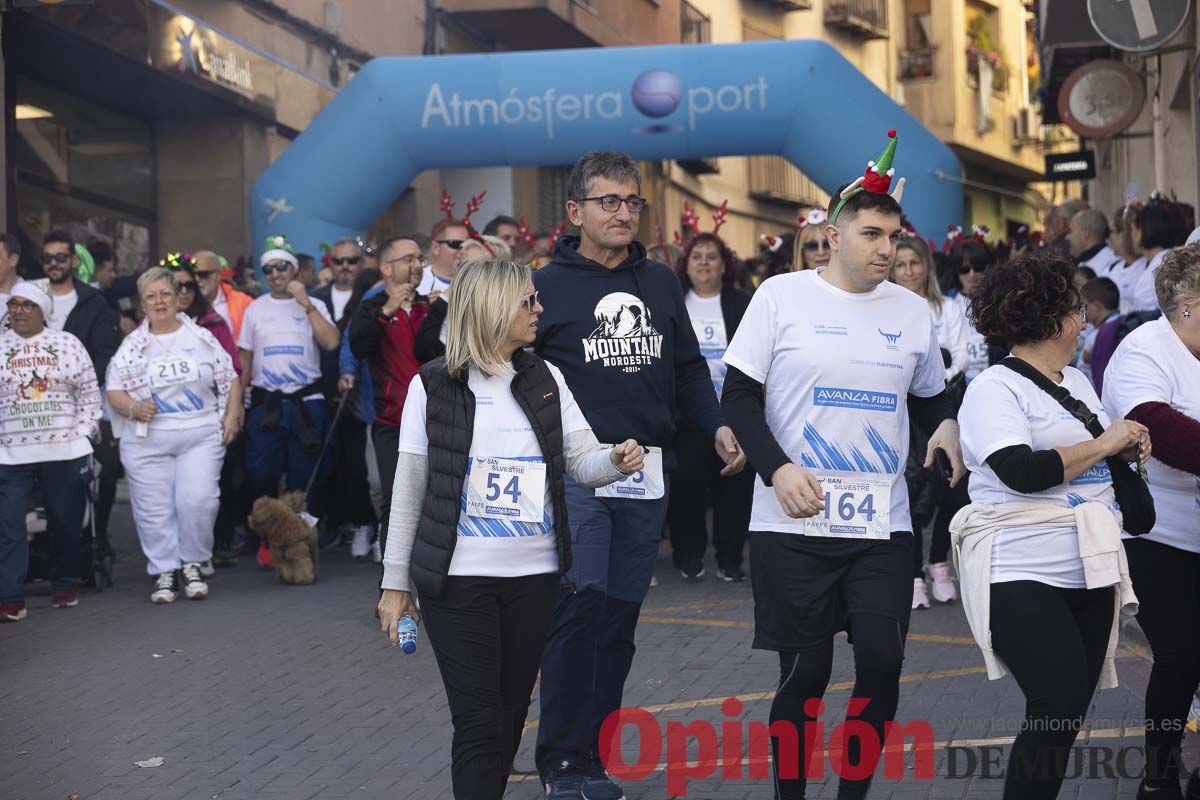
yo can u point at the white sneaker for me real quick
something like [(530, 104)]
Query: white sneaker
[(376, 553), (166, 587), (944, 590), (920, 594), (193, 584), (206, 569), (361, 546)]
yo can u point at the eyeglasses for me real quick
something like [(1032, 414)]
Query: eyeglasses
[(453, 244), (612, 202), (814, 246), (965, 268), (23, 306), (530, 301), (351, 260), (276, 266), (409, 260), (187, 286), (56, 258)]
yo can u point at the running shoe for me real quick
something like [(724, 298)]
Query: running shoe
[(12, 611), (225, 558), (360, 547), (597, 785), (692, 569), (944, 590), (193, 583), (563, 783), (1168, 791), (376, 552), (64, 598), (166, 588), (731, 573), (206, 569), (920, 594)]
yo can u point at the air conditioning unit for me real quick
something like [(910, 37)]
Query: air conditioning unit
[(1027, 125)]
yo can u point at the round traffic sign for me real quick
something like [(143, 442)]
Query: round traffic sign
[(1138, 25), (1101, 98)]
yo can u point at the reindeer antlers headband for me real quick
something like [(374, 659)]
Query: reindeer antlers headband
[(447, 206), (690, 220)]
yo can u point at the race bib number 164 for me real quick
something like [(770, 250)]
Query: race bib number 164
[(856, 507)]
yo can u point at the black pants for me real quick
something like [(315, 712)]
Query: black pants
[(939, 545), (347, 491), (386, 439), (1167, 582), (487, 635), (1053, 641), (234, 507), (108, 458), (878, 657), (697, 483)]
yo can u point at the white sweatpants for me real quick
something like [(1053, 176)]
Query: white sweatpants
[(174, 490)]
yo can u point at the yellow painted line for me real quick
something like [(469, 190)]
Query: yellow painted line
[(1085, 737), (843, 686), (728, 623), (699, 605)]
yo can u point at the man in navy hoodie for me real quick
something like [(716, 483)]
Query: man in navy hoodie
[(616, 325)]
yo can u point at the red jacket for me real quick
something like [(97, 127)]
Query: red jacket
[(387, 345)]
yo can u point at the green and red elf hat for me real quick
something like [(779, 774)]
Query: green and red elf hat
[(876, 179)]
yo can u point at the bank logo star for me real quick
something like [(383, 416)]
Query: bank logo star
[(277, 207), (187, 58)]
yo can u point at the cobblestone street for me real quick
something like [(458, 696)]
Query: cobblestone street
[(269, 691)]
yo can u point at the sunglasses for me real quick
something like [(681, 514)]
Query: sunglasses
[(276, 266), (204, 275), (965, 268), (530, 301), (812, 247), (351, 260), (187, 286), (56, 258), (453, 244)]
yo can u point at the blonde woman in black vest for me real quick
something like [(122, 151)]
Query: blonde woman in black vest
[(478, 520)]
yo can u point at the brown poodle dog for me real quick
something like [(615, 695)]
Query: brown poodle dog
[(293, 541)]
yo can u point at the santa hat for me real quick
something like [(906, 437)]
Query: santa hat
[(33, 293), (278, 249), (877, 178)]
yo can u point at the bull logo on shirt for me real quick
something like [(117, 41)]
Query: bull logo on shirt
[(892, 338), (624, 335)]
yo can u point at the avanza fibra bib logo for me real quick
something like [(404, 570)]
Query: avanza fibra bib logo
[(624, 336), (861, 399)]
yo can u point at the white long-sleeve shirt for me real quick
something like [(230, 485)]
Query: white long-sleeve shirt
[(49, 398)]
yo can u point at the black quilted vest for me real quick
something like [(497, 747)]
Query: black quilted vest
[(449, 426)]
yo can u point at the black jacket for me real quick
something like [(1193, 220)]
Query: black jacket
[(95, 323), (734, 303), (450, 427), (330, 359), (429, 343)]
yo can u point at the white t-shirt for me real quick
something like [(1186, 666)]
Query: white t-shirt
[(340, 298), (1151, 365), (1126, 277), (837, 368), (431, 282), (1142, 296), (709, 324), (950, 325), (499, 548), (181, 404), (278, 333), (61, 307), (1103, 262), (977, 350), (1002, 409)]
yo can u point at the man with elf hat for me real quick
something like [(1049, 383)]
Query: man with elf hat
[(850, 355), (282, 335)]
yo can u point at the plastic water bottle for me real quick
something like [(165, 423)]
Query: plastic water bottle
[(406, 634)]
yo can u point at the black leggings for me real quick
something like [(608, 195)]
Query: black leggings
[(939, 544), (878, 657), (1167, 582), (1053, 641), (487, 635)]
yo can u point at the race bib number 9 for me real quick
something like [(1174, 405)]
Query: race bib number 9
[(507, 488), (856, 507), (645, 485), (173, 370)]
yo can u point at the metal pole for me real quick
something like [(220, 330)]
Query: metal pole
[(1160, 131)]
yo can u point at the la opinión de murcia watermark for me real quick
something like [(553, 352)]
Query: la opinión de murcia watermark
[(735, 749)]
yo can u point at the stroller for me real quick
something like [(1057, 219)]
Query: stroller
[(95, 552)]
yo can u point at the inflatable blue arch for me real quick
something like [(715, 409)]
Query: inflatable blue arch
[(400, 115)]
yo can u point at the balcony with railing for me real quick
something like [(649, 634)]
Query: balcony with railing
[(866, 19), (774, 179), (917, 64)]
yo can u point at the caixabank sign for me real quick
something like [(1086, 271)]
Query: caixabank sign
[(799, 99)]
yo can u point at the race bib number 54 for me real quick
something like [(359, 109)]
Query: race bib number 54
[(506, 488), (856, 507)]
